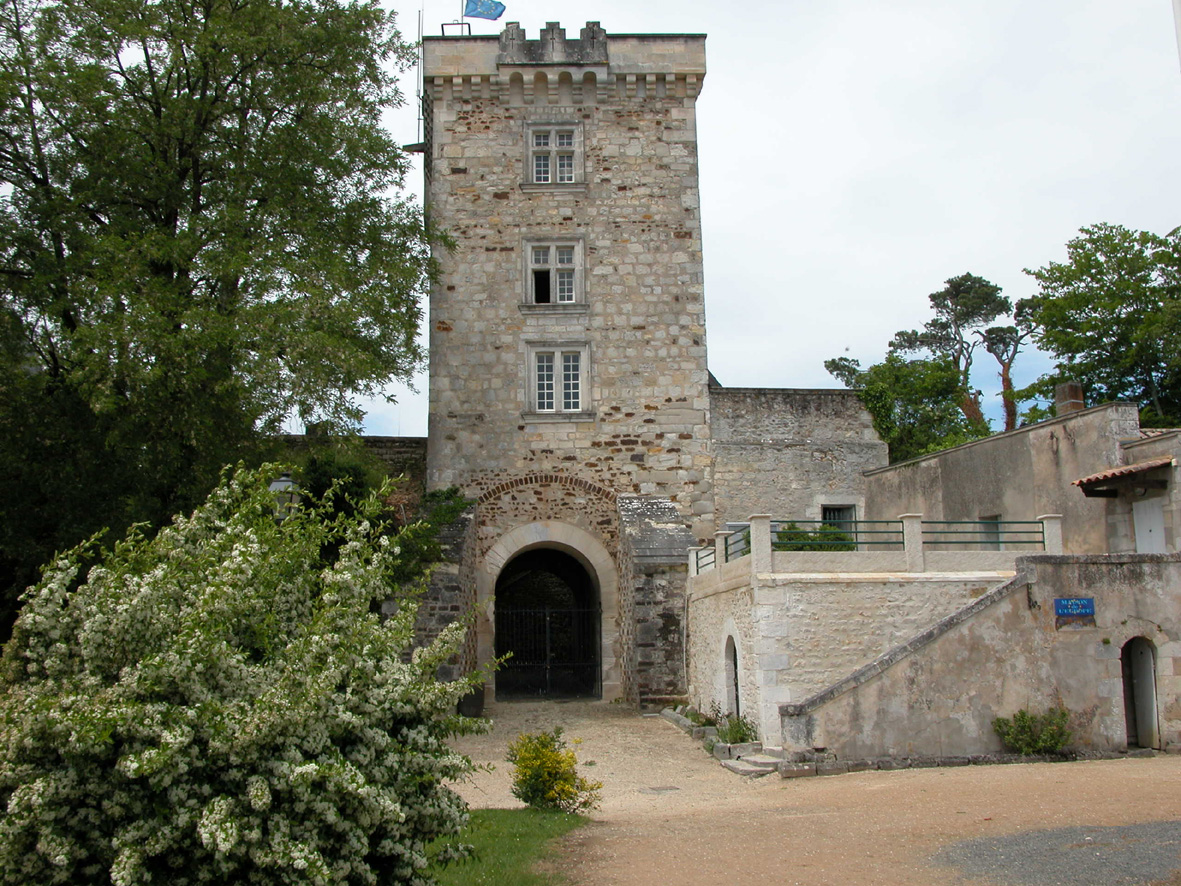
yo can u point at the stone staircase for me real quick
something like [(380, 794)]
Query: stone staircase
[(753, 765), (749, 759)]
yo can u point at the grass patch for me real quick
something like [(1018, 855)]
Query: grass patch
[(509, 843)]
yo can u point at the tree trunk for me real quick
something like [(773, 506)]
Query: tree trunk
[(1007, 400)]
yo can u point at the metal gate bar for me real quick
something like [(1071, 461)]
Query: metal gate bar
[(554, 653)]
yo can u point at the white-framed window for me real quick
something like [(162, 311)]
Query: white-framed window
[(554, 154), (558, 378), (554, 274)]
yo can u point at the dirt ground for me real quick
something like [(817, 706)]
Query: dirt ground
[(671, 814)]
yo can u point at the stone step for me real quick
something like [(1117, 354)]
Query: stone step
[(747, 770), (764, 761)]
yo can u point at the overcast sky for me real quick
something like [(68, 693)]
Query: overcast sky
[(856, 154)]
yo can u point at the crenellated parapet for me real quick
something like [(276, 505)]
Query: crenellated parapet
[(553, 48), (595, 68)]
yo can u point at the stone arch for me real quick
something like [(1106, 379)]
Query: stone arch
[(536, 477), (565, 88), (728, 684), (585, 548), (730, 668)]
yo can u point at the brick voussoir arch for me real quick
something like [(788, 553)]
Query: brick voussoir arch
[(538, 478)]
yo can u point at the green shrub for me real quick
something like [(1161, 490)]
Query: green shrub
[(1028, 733), (736, 729), (219, 705), (545, 774), (826, 538)]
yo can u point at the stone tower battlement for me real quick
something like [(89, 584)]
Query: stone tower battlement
[(555, 70)]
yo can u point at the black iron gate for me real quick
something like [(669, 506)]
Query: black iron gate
[(554, 653)]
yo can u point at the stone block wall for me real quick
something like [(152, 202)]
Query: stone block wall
[(518, 499), (726, 611), (655, 539), (451, 593), (633, 214), (1008, 650), (404, 457), (802, 633), (789, 452)]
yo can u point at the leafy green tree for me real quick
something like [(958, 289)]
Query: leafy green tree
[(1111, 316), (220, 704), (197, 240), (915, 404), (964, 308)]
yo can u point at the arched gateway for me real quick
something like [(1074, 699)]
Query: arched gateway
[(548, 593)]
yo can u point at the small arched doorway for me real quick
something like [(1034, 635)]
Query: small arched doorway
[(1138, 665), (547, 622), (733, 697)]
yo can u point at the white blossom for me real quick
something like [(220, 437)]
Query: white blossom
[(213, 706)]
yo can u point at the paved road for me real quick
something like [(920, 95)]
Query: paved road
[(672, 815)]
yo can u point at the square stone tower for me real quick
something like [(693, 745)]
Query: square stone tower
[(567, 325)]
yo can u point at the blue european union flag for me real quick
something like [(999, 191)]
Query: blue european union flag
[(490, 9)]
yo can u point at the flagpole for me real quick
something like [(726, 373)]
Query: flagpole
[(1177, 21)]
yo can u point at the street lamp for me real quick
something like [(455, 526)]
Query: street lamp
[(286, 493)]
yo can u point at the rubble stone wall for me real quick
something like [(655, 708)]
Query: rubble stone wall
[(788, 453)]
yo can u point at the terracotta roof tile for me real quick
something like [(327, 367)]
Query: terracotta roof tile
[(1125, 471)]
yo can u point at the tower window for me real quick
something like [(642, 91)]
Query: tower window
[(555, 154), (554, 273), (558, 377)]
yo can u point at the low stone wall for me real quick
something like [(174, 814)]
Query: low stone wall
[(797, 634), (939, 693)]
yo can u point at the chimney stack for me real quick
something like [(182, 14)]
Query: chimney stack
[(1068, 397)]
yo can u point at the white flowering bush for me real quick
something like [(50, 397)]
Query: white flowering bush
[(221, 705)]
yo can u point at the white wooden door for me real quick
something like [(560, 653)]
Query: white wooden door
[(1148, 515)]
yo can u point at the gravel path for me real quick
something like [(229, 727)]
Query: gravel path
[(672, 814)]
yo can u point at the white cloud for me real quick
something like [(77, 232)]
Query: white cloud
[(854, 155)]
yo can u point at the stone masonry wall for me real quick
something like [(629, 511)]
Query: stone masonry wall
[(526, 498), (451, 592), (1008, 651), (803, 633), (639, 319), (658, 613), (1017, 475), (654, 539), (629, 690), (789, 452), (713, 618), (405, 457)]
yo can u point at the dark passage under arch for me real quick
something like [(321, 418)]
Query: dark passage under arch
[(547, 618)]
